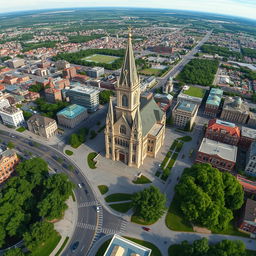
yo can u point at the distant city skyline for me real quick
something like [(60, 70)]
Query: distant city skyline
[(240, 8)]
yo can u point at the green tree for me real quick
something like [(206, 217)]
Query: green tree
[(74, 140), (38, 234), (14, 252), (228, 248), (104, 96), (149, 204), (10, 145), (204, 194)]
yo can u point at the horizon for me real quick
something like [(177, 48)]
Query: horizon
[(241, 8)]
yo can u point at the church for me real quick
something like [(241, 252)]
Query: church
[(135, 125)]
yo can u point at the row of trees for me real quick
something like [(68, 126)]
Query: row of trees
[(31, 46), (208, 197), (83, 39), (76, 139), (203, 248), (49, 109), (249, 52), (77, 57), (199, 71), (29, 197), (105, 96)]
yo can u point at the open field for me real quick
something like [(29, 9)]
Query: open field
[(195, 92), (101, 58), (151, 71)]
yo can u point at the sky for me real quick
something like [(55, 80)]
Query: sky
[(242, 8)]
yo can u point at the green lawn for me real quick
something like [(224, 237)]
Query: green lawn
[(155, 250), (69, 152), (185, 138), (62, 246), (195, 92), (48, 246), (150, 71), (118, 197), (103, 189), (174, 144), (142, 180), (90, 160), (174, 219), (179, 147), (123, 208), (101, 58), (138, 220), (21, 129)]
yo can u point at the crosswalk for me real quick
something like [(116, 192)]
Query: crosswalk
[(87, 204)]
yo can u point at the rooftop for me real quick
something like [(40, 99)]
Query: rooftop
[(10, 110), (216, 124), (222, 150), (85, 89), (128, 248), (214, 97), (186, 106), (193, 91), (250, 210), (42, 121), (72, 111), (248, 132)]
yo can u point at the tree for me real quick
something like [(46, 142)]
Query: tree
[(14, 252), (104, 96), (38, 233), (74, 140), (10, 145), (149, 204), (228, 248), (207, 196)]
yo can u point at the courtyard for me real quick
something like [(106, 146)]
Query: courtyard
[(101, 58)]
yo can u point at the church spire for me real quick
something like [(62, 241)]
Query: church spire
[(129, 76), (110, 114)]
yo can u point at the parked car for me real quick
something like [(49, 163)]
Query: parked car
[(74, 246), (146, 228)]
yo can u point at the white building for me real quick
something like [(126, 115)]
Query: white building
[(12, 116), (4, 103), (250, 168)]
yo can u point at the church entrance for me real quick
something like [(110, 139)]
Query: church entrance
[(122, 157)]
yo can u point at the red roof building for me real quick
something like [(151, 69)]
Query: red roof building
[(222, 131), (248, 185)]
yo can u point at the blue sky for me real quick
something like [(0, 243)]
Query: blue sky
[(244, 8)]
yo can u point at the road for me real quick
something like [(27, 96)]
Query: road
[(185, 60), (90, 224)]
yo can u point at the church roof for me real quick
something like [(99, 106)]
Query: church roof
[(150, 114)]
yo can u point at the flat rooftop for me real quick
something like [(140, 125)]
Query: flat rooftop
[(212, 147), (85, 89), (186, 106), (218, 121), (72, 111), (129, 247), (248, 132)]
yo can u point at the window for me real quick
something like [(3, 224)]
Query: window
[(124, 101), (122, 129)]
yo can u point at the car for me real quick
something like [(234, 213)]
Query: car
[(86, 191), (74, 246), (146, 229), (83, 184), (97, 209), (79, 185)]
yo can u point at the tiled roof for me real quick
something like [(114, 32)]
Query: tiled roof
[(217, 125)]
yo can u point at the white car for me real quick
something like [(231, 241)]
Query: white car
[(97, 209), (79, 185)]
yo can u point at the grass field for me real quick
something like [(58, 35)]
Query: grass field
[(195, 92), (103, 189), (150, 71), (100, 58), (118, 197), (123, 207)]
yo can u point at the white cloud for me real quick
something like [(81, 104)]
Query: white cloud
[(245, 8)]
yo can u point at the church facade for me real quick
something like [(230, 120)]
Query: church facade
[(135, 125)]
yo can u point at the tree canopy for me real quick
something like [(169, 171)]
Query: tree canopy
[(14, 252), (105, 96), (149, 204), (208, 197), (203, 248)]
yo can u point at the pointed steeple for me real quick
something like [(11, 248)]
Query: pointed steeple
[(129, 76), (110, 114)]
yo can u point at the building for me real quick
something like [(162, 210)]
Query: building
[(4, 103), (248, 221), (69, 73), (135, 127), (72, 115), (184, 113), (252, 120), (120, 246), (168, 86), (52, 95), (42, 126), (222, 131), (248, 136), (219, 155), (234, 110), (95, 72), (84, 96), (16, 63), (248, 185), (213, 102), (42, 72), (191, 94), (8, 160), (250, 168), (62, 64), (12, 116)]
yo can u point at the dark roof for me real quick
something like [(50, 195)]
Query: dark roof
[(250, 210), (40, 120), (150, 114)]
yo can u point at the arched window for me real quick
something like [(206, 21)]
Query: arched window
[(122, 129), (124, 101)]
